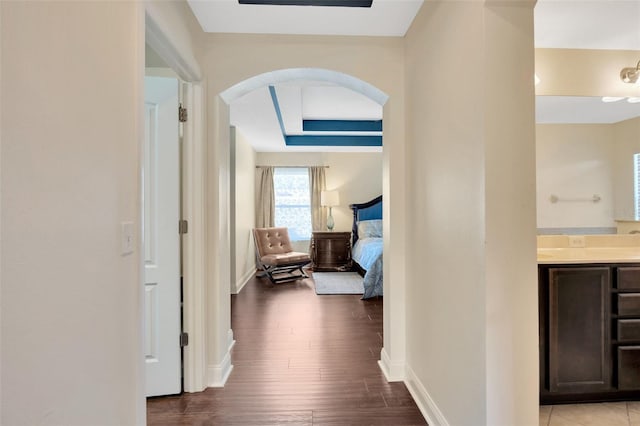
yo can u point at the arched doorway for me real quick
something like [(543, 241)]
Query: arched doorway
[(217, 242)]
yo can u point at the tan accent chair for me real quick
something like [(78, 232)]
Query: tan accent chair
[(276, 257)]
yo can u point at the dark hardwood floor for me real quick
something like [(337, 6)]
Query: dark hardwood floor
[(299, 359)]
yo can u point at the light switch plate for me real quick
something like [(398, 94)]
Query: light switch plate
[(127, 236)]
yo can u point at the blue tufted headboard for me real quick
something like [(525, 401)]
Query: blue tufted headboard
[(365, 211)]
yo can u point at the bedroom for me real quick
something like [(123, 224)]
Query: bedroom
[(354, 172)]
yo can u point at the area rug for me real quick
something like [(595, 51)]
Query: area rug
[(338, 283)]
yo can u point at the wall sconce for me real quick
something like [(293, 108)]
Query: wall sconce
[(631, 75), (628, 75), (329, 199)]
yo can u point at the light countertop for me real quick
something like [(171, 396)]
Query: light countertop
[(590, 249), (589, 255)]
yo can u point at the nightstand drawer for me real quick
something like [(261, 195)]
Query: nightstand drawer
[(327, 245), (331, 251), (327, 257)]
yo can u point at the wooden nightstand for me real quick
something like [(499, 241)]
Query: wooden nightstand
[(331, 251)]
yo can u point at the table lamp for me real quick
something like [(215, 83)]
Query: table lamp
[(329, 199)]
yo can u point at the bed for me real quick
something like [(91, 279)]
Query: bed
[(367, 244)]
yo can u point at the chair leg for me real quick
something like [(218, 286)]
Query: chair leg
[(279, 275)]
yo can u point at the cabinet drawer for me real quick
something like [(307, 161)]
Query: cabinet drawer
[(328, 255), (332, 245), (629, 304), (628, 278), (628, 367), (628, 330), (326, 258)]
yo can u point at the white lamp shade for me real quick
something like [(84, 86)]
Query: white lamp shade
[(329, 198)]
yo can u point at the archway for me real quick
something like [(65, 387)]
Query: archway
[(219, 333)]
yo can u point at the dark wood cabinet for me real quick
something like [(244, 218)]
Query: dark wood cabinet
[(331, 251), (629, 367), (629, 304), (628, 328), (579, 329), (589, 332), (628, 278)]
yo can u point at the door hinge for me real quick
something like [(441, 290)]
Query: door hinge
[(184, 339), (183, 227), (182, 114)]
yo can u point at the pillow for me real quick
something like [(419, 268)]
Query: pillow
[(370, 229)]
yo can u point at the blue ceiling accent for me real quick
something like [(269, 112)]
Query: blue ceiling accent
[(334, 3), (333, 140), (330, 125), (276, 105), (342, 125)]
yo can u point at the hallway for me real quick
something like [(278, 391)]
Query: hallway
[(299, 359)]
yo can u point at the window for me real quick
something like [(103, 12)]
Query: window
[(636, 177), (293, 201)]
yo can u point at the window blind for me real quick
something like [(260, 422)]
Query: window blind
[(293, 201)]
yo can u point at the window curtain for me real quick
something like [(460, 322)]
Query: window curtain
[(265, 198), (317, 184)]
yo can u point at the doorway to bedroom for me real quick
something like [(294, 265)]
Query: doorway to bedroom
[(219, 231), (306, 128)]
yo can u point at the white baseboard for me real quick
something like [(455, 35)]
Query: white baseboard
[(393, 372), (426, 404), (218, 374), (244, 279)]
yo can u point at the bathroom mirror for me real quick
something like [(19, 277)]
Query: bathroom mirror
[(585, 163)]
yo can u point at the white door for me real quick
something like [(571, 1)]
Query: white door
[(161, 237)]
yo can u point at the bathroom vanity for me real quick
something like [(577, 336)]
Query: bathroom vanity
[(589, 314)]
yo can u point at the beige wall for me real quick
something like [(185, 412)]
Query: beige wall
[(244, 210), (71, 129), (583, 72), (575, 161), (472, 348), (627, 143), (579, 161), (356, 176)]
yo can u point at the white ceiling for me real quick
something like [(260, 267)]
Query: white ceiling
[(383, 18), (583, 109), (575, 24), (255, 118)]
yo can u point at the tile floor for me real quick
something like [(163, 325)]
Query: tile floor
[(601, 414)]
